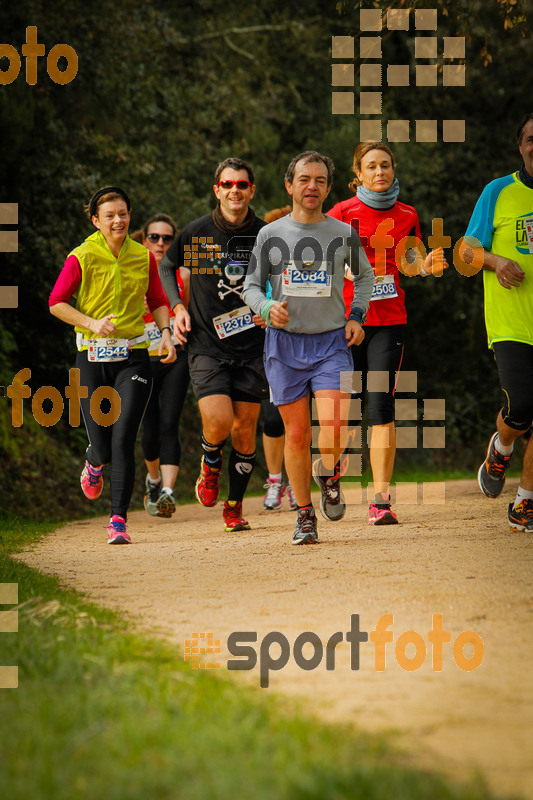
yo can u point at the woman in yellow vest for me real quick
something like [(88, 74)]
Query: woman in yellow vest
[(110, 274)]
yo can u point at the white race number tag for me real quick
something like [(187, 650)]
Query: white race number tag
[(107, 349), (240, 319), (384, 287), (528, 225), (308, 279), (153, 334)]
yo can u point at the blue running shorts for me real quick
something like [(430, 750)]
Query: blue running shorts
[(299, 363)]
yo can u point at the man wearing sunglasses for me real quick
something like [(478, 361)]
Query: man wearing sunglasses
[(225, 346)]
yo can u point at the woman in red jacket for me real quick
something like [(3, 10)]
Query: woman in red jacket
[(383, 224)]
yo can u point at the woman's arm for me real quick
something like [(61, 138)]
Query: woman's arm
[(68, 281), (100, 327), (162, 320), (185, 275), (434, 263)]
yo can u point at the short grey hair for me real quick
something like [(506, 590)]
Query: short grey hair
[(307, 157)]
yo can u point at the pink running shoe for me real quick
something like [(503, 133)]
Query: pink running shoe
[(275, 491), (116, 531), (379, 513), (91, 481), (293, 505)]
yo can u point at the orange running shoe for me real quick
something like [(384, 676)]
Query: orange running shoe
[(491, 474), (521, 517)]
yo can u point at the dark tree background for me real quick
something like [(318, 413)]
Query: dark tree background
[(163, 92)]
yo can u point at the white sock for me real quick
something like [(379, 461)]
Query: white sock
[(278, 478), (504, 450), (154, 483), (522, 494), (167, 489)]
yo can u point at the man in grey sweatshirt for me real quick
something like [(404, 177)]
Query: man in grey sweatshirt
[(303, 257)]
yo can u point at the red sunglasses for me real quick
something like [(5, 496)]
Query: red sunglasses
[(230, 184)]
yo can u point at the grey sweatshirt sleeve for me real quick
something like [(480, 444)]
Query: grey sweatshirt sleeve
[(254, 292), (363, 277), (169, 281)]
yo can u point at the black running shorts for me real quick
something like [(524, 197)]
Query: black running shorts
[(381, 350), (272, 422), (240, 379), (515, 369)]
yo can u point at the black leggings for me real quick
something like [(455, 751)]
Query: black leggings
[(381, 350), (161, 436), (272, 422), (515, 369), (132, 379)]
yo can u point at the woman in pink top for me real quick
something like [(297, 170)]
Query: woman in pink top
[(110, 275)]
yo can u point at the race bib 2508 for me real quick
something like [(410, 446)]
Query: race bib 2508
[(384, 287)]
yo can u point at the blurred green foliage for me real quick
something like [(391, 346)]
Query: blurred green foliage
[(164, 91)]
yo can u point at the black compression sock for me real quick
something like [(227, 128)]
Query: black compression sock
[(240, 468), (213, 452)]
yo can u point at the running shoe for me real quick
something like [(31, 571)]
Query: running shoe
[(116, 531), (491, 474), (151, 496), (380, 513), (521, 517), (275, 491), (91, 481), (332, 505), (293, 505), (207, 484), (305, 531), (166, 505), (233, 518)]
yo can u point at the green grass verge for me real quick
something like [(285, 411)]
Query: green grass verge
[(102, 712)]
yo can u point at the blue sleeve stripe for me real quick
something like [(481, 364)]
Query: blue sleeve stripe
[(481, 223)]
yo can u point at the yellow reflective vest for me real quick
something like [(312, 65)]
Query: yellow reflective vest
[(112, 285)]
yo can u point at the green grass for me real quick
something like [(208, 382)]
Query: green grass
[(102, 712)]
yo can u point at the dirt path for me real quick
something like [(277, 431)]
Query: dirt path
[(459, 559)]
